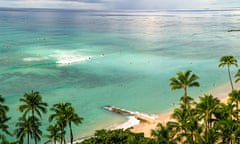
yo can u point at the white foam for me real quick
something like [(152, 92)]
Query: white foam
[(69, 57), (132, 121), (132, 118), (73, 59), (62, 57), (152, 116)]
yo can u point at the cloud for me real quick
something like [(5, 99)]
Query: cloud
[(118, 4), (162, 4), (67, 4)]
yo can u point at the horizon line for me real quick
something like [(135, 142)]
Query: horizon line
[(129, 10)]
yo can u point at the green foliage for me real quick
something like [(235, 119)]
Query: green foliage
[(205, 110), (234, 99), (228, 61), (32, 103), (205, 121), (54, 134), (183, 81), (64, 114), (23, 129), (164, 134), (229, 131), (237, 76), (29, 124), (118, 136), (3, 120)]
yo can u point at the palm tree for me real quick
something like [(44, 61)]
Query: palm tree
[(3, 108), (234, 97), (54, 134), (72, 117), (163, 134), (23, 129), (206, 109), (28, 127), (228, 60), (65, 114), (32, 102), (212, 137), (4, 127), (179, 125), (184, 80), (3, 119), (237, 76), (37, 133), (224, 111), (58, 116), (229, 131)]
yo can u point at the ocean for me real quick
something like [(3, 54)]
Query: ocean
[(121, 58)]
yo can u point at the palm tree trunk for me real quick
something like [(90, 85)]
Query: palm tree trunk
[(62, 136), (64, 139), (206, 130), (237, 109), (185, 97), (34, 130), (229, 74), (28, 138), (71, 133)]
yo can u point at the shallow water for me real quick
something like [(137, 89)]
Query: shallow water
[(125, 59)]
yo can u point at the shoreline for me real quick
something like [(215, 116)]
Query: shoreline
[(221, 92), (145, 125)]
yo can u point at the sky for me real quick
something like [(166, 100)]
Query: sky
[(121, 4)]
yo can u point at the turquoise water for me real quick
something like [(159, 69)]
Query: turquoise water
[(125, 59)]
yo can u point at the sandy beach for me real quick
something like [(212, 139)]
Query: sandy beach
[(145, 127)]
